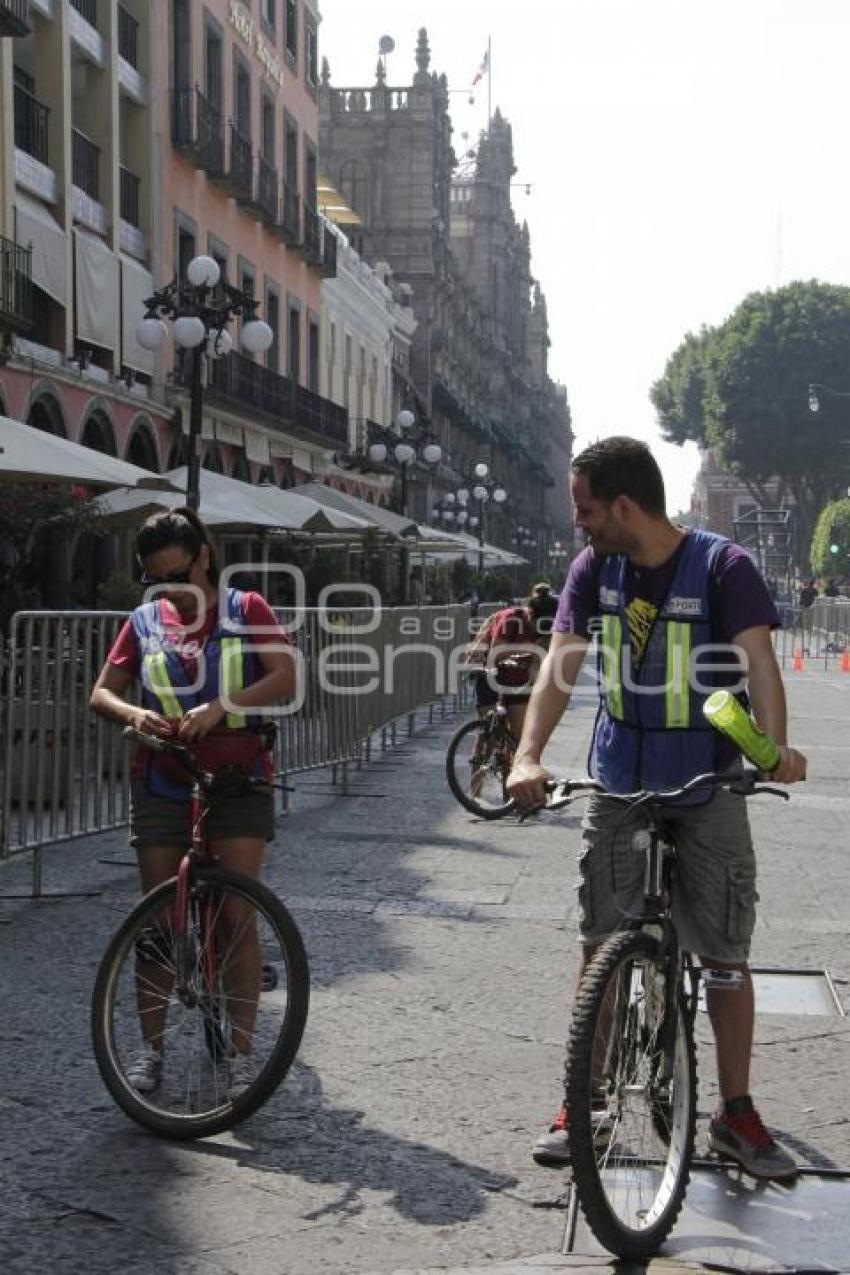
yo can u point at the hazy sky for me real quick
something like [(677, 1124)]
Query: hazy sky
[(682, 153)]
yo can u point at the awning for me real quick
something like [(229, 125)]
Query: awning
[(37, 226), (136, 285), (376, 514), (227, 502), (29, 455), (96, 289)]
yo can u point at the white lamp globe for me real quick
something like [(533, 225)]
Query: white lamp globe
[(219, 344), (481, 470), (462, 496), (150, 333), (404, 453), (432, 453), (500, 495), (256, 336), (405, 419), (189, 331), (448, 514), (480, 493), (473, 522), (378, 453), (449, 498), (203, 272), (462, 516)]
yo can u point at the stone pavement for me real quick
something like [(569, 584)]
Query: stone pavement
[(442, 954)]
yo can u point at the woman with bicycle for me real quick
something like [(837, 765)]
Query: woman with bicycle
[(208, 662)]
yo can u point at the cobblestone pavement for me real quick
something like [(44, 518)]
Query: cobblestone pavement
[(442, 954)]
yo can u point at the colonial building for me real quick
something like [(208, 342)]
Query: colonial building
[(478, 367)]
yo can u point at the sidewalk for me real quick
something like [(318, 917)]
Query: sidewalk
[(442, 954)]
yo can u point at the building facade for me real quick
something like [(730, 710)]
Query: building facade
[(478, 376)]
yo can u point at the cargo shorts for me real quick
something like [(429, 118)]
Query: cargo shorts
[(160, 821), (714, 885)]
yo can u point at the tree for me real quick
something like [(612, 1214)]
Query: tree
[(742, 390), (830, 551)]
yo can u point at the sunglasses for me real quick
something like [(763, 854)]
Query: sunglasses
[(165, 582)]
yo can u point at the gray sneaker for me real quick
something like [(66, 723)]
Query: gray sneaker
[(552, 1149), (145, 1072), (740, 1135)]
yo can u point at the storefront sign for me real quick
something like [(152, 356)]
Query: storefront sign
[(245, 26)]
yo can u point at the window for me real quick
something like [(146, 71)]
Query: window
[(311, 53), (185, 251), (267, 138), (291, 34), (213, 68), (294, 368), (373, 390), (267, 13), (313, 357), (181, 32), (273, 320), (290, 152), (242, 98), (311, 178), (346, 374)]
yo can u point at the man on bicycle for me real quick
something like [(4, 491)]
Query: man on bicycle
[(662, 599)]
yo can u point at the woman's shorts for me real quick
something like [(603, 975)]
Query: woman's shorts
[(159, 821), (714, 887)]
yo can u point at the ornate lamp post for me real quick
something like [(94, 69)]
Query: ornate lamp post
[(481, 488), (200, 312), (404, 453)]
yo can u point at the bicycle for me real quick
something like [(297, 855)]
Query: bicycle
[(214, 965), (478, 762), (631, 1084)]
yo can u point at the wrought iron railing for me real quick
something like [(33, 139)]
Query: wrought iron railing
[(210, 139), (31, 117), (241, 174), (312, 236), (14, 17), (267, 190), (16, 295), (321, 416), (329, 249), (85, 163), (128, 36), (290, 214), (87, 8), (130, 186)]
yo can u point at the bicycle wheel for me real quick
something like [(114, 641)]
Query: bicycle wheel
[(478, 762), (630, 1161), (239, 985)]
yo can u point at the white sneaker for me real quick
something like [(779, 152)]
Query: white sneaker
[(145, 1073), (243, 1073)]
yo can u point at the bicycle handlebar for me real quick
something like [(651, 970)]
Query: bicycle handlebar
[(162, 744), (742, 781)]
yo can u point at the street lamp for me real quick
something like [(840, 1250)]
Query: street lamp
[(404, 452), (815, 397), (480, 487), (199, 314)]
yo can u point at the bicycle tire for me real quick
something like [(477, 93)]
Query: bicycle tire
[(111, 1024), (454, 761), (630, 1200)]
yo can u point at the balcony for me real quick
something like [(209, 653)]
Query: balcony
[(130, 204), (128, 37), (16, 294), (241, 383), (240, 176), (86, 9), (260, 197), (289, 226), (31, 118), (14, 17), (329, 246), (85, 164), (312, 237), (197, 130)]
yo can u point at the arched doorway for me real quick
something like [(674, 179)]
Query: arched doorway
[(179, 452), (99, 434), (213, 460), (241, 469), (46, 414), (141, 448)]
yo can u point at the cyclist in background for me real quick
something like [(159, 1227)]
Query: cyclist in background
[(656, 593), (508, 649), (192, 646)]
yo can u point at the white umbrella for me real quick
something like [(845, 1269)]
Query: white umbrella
[(30, 455)]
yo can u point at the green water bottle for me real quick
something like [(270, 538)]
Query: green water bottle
[(728, 716)]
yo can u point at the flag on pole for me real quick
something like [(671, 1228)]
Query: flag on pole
[(483, 68)]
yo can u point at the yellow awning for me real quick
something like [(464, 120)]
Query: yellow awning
[(333, 206)]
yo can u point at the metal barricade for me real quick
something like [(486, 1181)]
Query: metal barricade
[(65, 772)]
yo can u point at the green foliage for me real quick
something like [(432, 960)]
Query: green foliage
[(832, 527), (117, 593), (679, 395)]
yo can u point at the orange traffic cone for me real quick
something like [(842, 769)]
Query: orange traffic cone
[(845, 661), (797, 664)]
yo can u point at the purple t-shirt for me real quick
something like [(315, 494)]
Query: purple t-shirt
[(737, 596)]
